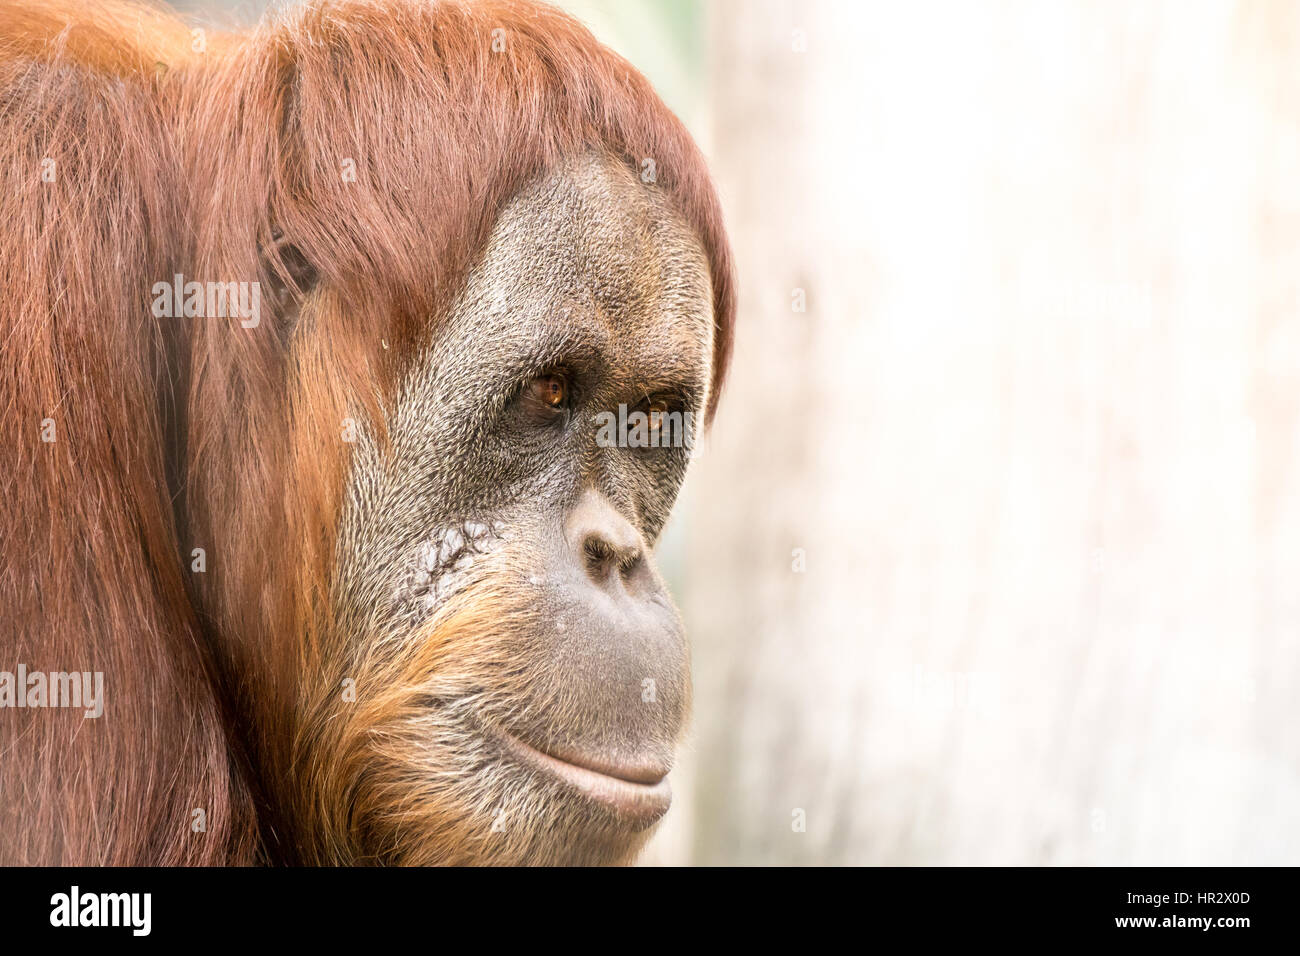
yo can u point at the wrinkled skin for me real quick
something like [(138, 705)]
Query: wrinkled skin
[(494, 573)]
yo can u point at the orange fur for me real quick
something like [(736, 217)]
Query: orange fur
[(182, 433)]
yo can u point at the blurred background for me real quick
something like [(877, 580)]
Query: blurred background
[(993, 554)]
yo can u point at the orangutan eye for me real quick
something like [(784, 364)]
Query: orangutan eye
[(659, 423), (551, 390), (547, 397), (657, 412)]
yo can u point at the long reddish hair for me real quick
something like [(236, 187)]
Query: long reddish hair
[(346, 153)]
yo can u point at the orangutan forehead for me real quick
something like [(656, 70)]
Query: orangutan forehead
[(590, 250)]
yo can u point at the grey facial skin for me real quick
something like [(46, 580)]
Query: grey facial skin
[(442, 564), (589, 275)]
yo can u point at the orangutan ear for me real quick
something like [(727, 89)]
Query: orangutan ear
[(290, 278)]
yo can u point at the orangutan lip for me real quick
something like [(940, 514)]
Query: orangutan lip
[(639, 801)]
